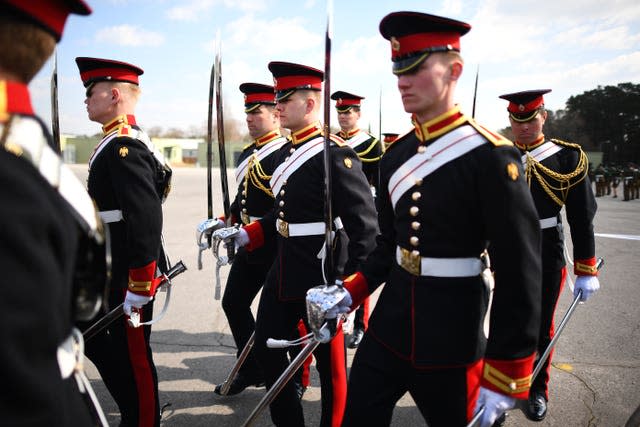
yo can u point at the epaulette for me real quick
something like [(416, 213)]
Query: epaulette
[(494, 138), (337, 140), (247, 146), (397, 140), (125, 130)]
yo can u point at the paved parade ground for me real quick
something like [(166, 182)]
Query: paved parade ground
[(595, 380)]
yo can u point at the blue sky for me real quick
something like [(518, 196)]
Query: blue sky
[(569, 46)]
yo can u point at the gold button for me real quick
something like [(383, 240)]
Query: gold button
[(414, 241), (244, 210), (244, 193), (281, 203), (415, 253), (416, 195), (422, 149), (282, 192), (243, 201), (512, 385), (414, 210), (284, 182), (419, 181), (281, 214), (415, 225), (291, 150)]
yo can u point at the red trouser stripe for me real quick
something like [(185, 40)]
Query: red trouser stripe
[(474, 372), (302, 330), (338, 377), (365, 315), (143, 376)]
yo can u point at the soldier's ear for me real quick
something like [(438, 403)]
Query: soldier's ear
[(456, 70)]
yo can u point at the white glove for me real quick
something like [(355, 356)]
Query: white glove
[(342, 306), (134, 300), (588, 285), (241, 239), (495, 404), (237, 235)]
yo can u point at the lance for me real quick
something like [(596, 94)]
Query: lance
[(475, 92), (328, 271), (55, 118), (563, 323), (118, 312)]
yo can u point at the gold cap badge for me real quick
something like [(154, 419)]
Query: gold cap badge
[(395, 44), (348, 163)]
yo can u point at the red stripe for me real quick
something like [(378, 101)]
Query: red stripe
[(421, 41), (143, 374), (118, 74), (292, 82), (16, 98), (254, 98), (338, 377), (302, 331)]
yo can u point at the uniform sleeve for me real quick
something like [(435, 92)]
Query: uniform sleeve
[(515, 246), (581, 209), (353, 203), (133, 176)]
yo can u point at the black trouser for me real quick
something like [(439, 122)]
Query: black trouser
[(552, 284), (243, 284), (379, 378), (275, 320), (123, 357), (361, 318)]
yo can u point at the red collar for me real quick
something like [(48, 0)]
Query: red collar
[(268, 137), (538, 142), (14, 99), (348, 135), (306, 133), (118, 122), (440, 125)]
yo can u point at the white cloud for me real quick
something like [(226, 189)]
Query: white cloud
[(189, 11), (129, 35)]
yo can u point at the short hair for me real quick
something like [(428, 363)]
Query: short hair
[(131, 89), (24, 47)]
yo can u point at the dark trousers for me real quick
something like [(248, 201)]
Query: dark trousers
[(275, 320), (361, 318), (379, 378), (243, 284), (123, 357), (552, 285)]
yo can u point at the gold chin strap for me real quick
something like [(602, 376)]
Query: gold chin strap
[(534, 168)]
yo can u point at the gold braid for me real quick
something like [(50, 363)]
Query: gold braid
[(257, 176), (535, 168)]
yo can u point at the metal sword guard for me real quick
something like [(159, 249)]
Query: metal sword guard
[(319, 300), (204, 230)]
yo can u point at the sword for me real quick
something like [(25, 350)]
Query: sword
[(118, 312), (475, 92), (563, 323), (223, 163), (224, 388), (55, 118)]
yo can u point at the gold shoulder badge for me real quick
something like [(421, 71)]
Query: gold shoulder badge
[(123, 151), (348, 163), (512, 171)]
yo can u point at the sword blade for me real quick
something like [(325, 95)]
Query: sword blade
[(55, 117), (224, 389), (328, 214), (210, 144)]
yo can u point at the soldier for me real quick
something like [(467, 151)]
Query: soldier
[(370, 150), (449, 189), (253, 199), (557, 175), (49, 224), (128, 183), (296, 224), (389, 138)]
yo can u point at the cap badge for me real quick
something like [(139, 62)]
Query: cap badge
[(348, 163), (395, 44), (512, 171), (521, 107), (123, 152)]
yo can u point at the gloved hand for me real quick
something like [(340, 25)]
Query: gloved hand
[(237, 235), (342, 306), (134, 300), (588, 285), (495, 404)]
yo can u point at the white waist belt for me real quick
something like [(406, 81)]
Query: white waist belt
[(304, 229), (438, 267), (548, 222), (111, 216)]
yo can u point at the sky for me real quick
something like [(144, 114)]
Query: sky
[(569, 46)]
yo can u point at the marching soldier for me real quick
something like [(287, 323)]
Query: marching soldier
[(370, 150), (128, 182), (253, 200), (50, 230), (297, 227), (389, 138), (448, 190), (557, 175)]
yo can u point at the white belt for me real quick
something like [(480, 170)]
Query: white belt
[(548, 222), (412, 262), (287, 229), (111, 216)]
